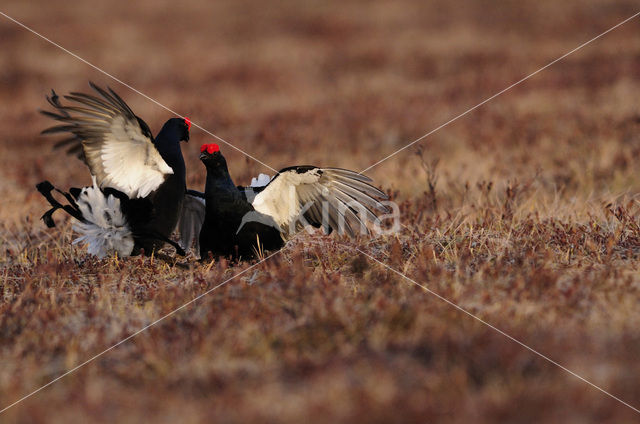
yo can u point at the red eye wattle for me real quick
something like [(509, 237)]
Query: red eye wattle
[(188, 122), (210, 148)]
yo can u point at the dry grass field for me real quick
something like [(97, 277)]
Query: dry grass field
[(524, 212)]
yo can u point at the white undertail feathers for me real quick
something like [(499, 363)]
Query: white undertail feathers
[(105, 230)]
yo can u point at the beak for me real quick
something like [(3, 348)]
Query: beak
[(203, 155), (187, 137)]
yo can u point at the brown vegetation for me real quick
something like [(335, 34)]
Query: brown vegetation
[(523, 212)]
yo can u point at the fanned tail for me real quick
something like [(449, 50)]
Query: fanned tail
[(102, 226)]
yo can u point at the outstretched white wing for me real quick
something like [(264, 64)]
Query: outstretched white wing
[(332, 198), (117, 145)]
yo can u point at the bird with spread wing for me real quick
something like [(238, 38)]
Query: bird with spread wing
[(241, 221), (138, 190)]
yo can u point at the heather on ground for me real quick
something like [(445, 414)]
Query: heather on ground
[(523, 212)]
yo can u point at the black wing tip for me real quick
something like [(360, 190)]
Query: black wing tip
[(53, 130), (94, 86), (348, 172), (66, 141), (104, 93), (60, 114), (54, 100), (48, 113), (114, 99), (98, 88)]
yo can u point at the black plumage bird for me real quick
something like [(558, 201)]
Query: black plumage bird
[(139, 184), (242, 221)]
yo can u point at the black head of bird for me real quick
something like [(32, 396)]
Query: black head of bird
[(211, 157), (177, 128), (219, 182)]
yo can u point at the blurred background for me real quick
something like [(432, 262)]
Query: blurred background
[(345, 84)]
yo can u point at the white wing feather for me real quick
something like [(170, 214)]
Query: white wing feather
[(131, 163), (117, 145), (331, 197), (280, 199)]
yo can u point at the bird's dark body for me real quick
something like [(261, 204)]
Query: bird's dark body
[(327, 198), (225, 207), (156, 215), (166, 201), (152, 218)]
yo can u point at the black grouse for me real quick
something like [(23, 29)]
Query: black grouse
[(241, 222), (139, 185)]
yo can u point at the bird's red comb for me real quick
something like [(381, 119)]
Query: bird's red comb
[(210, 148), (188, 122)]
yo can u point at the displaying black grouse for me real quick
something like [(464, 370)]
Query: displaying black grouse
[(243, 221), (138, 182)]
